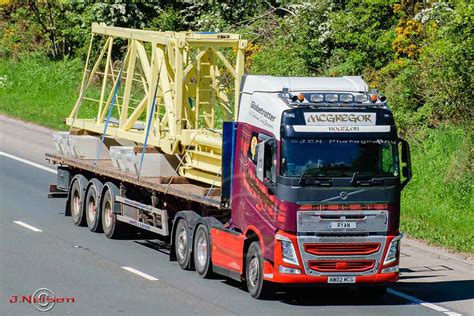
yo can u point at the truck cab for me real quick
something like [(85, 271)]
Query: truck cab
[(317, 173)]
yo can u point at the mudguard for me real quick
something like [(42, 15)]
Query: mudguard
[(115, 191)]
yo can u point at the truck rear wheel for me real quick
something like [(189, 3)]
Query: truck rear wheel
[(202, 252), (111, 226), (76, 203), (256, 285), (92, 206), (181, 244)]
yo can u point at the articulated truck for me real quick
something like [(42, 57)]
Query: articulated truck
[(266, 180)]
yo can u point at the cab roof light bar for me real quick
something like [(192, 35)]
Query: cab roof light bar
[(320, 99)]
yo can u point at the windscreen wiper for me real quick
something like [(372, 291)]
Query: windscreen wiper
[(314, 180), (364, 180)]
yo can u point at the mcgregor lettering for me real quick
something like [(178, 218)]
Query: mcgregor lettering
[(324, 118)]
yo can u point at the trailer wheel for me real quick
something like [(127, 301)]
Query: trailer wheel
[(92, 206), (111, 226), (181, 244), (202, 252), (256, 285), (76, 204)]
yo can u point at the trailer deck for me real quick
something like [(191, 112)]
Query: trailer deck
[(177, 186)]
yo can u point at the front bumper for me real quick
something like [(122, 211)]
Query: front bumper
[(379, 273)]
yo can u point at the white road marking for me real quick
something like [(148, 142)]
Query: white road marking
[(31, 163), (28, 226), (142, 274), (423, 303)]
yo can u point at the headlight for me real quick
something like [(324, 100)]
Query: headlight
[(392, 252), (287, 250)]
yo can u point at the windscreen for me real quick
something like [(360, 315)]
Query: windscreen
[(341, 158)]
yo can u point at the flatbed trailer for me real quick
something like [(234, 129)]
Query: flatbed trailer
[(179, 187), (149, 203)]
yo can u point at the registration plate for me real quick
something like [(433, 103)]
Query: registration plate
[(343, 225), (342, 279)]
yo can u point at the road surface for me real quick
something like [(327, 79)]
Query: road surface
[(41, 248)]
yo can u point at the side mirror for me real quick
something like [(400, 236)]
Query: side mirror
[(405, 172), (406, 162)]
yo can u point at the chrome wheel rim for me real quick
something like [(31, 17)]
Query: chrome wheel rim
[(202, 250), (108, 214), (253, 271), (182, 244), (92, 209), (76, 205)]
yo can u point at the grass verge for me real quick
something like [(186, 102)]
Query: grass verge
[(438, 205), (39, 91)]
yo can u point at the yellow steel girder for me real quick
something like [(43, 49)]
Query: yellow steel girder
[(191, 80)]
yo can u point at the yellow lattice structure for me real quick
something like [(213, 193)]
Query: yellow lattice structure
[(195, 77)]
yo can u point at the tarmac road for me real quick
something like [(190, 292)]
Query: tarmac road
[(41, 248)]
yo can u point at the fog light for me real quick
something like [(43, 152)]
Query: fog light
[(391, 269), (288, 270)]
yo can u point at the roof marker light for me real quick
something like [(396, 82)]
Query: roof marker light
[(331, 97), (317, 98)]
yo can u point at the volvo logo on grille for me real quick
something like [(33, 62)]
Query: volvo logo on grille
[(343, 195)]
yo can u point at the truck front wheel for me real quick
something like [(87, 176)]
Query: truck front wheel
[(181, 244), (257, 287), (202, 252)]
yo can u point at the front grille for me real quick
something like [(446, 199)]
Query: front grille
[(341, 266), (353, 222), (340, 249)]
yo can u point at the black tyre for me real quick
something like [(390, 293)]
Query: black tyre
[(202, 252), (256, 286), (111, 226), (92, 206), (76, 203), (182, 245)]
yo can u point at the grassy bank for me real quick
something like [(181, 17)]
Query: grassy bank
[(437, 205), (39, 90)]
